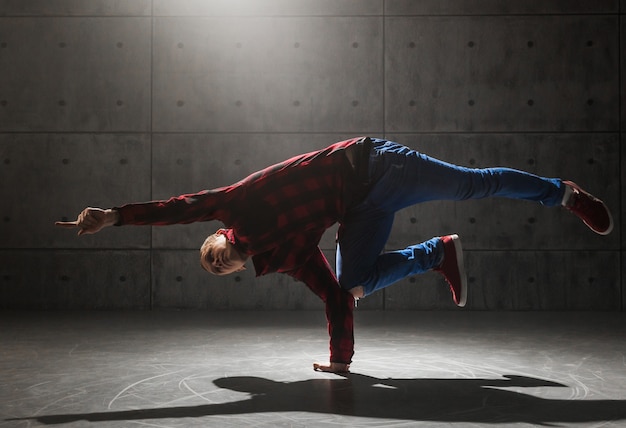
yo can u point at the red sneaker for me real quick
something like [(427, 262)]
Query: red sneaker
[(588, 208), (452, 269)]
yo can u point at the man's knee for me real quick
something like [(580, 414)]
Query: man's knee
[(352, 284), (357, 292)]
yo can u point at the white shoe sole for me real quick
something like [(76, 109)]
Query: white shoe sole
[(461, 266)]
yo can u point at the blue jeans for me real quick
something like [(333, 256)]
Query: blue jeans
[(401, 177)]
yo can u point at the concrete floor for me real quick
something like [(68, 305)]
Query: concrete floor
[(188, 369)]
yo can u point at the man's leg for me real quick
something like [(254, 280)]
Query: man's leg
[(360, 241), (404, 177), (363, 275)]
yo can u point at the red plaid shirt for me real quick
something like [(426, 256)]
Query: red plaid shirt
[(278, 216)]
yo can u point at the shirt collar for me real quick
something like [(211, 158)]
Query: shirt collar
[(228, 233)]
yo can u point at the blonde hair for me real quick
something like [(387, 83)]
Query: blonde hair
[(206, 246)]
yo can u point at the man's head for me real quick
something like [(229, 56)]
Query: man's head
[(220, 257)]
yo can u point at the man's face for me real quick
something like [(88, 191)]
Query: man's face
[(220, 257)]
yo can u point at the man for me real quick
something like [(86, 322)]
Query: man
[(277, 216)]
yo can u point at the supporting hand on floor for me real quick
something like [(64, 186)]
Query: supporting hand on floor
[(332, 367)]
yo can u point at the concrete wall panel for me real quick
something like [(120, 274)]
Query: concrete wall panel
[(267, 7), (623, 273), (75, 74), (497, 7), (620, 218), (74, 279), (75, 8), (623, 66), (427, 292), (44, 178), (185, 163), (501, 73), (518, 280), (591, 160), (268, 74)]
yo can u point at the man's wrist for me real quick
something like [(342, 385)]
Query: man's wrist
[(113, 217)]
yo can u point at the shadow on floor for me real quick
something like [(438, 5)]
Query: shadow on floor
[(442, 400)]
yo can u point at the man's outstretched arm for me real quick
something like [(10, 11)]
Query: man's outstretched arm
[(319, 277), (202, 206)]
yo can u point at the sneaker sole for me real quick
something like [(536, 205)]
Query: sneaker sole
[(459, 261), (609, 229), (580, 189)]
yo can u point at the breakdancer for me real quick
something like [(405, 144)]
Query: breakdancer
[(276, 218)]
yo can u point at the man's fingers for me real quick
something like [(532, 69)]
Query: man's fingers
[(332, 367), (89, 218), (67, 224)]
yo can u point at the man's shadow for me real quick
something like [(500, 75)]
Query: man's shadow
[(441, 400)]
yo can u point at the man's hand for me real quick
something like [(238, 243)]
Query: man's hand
[(331, 367), (91, 220)]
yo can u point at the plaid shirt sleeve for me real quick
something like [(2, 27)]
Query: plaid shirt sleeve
[(189, 208), (317, 274)]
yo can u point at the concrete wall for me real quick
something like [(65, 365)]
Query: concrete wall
[(106, 102)]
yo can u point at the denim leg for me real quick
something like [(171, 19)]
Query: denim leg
[(360, 241), (402, 177), (392, 266)]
